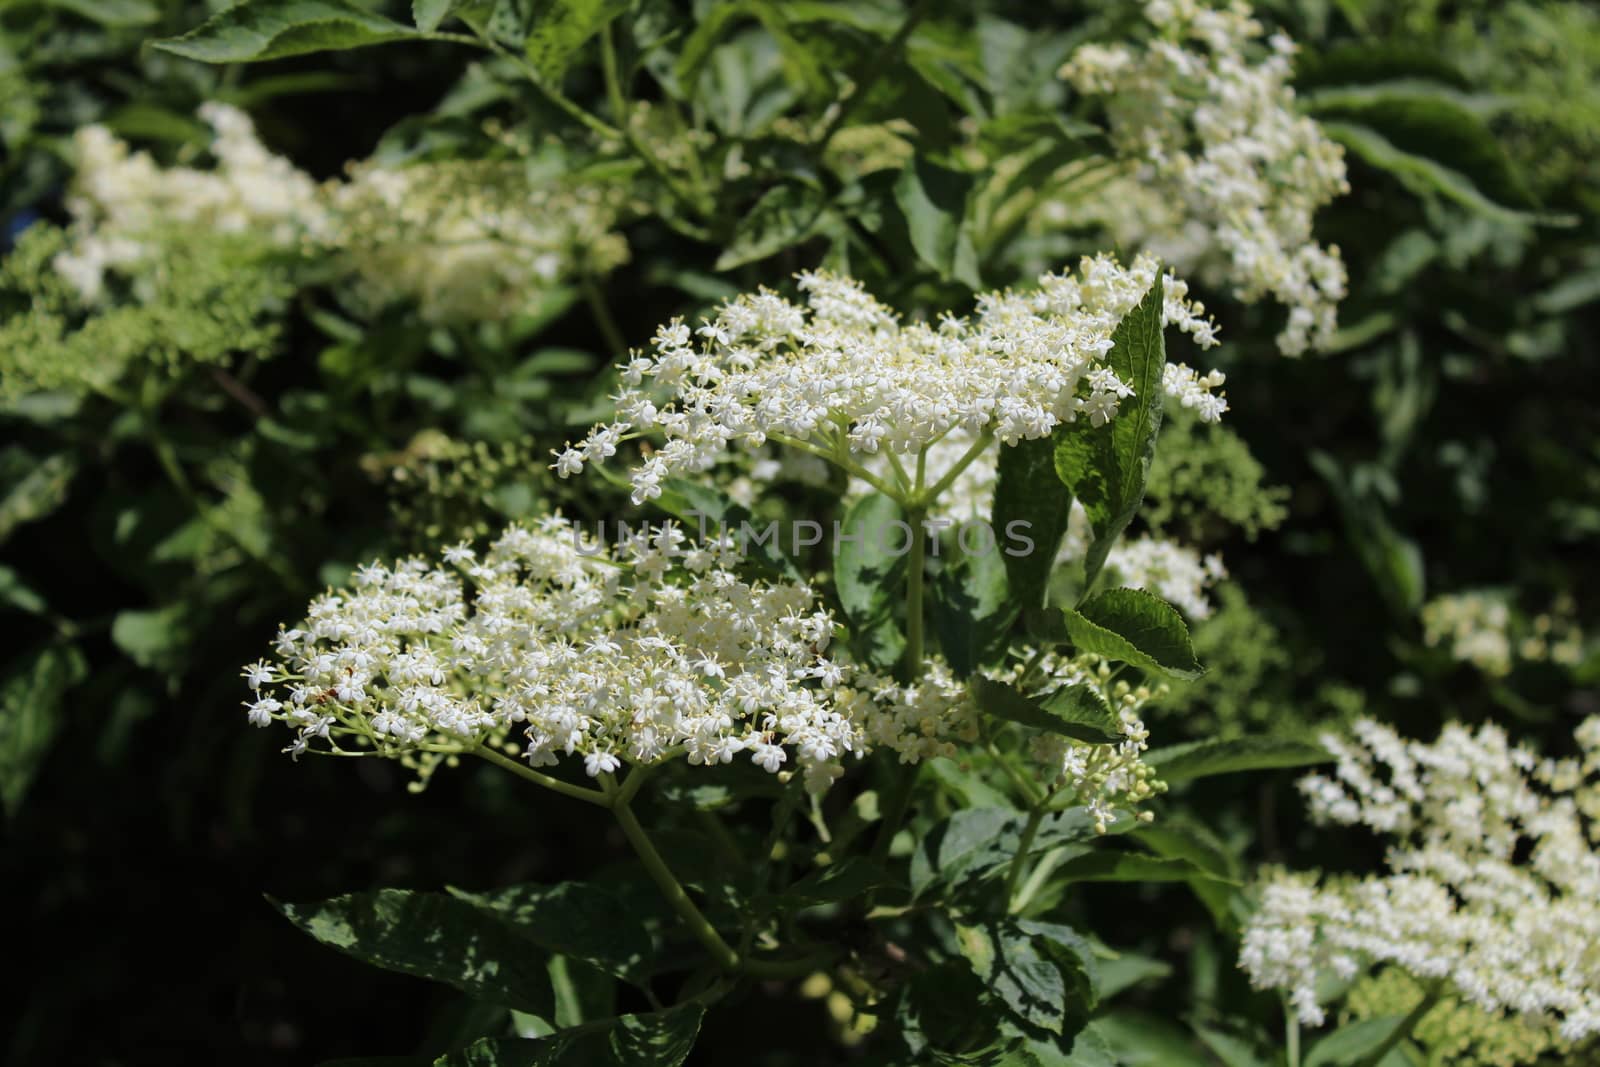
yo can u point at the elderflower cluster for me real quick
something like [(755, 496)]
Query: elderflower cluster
[(1479, 627), (120, 198), (639, 652), (841, 376), (1492, 893), (1223, 156), (469, 240)]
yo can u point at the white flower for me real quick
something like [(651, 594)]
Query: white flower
[(619, 655), (841, 375), (1493, 882), (1228, 174)]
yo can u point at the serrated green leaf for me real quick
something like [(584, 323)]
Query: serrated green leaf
[(431, 935), (31, 697), (1073, 711), (1028, 491), (868, 570), (1044, 973), (259, 30), (1106, 467), (657, 1039), (972, 610), (785, 216), (427, 14), (933, 200), (560, 27), (848, 879), (1135, 627), (1203, 759), (573, 919)]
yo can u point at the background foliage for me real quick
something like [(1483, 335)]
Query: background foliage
[(164, 504)]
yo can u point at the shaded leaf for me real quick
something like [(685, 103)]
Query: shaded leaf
[(1353, 1042), (1202, 759), (1073, 711), (1135, 627), (1030, 499), (1044, 973), (34, 488), (31, 697), (933, 200), (869, 564), (657, 1039), (560, 27), (784, 216), (431, 935), (574, 919), (258, 30)]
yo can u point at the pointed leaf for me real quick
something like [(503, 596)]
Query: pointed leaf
[(574, 919), (1029, 500), (1106, 467), (1074, 711), (1134, 627), (933, 200), (258, 30), (869, 564), (431, 935), (1202, 759), (31, 697), (1044, 973), (427, 14)]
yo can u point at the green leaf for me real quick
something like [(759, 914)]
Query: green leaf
[(657, 1039), (1425, 177), (1073, 711), (31, 696), (111, 12), (976, 844), (18, 594), (34, 488), (1141, 1039), (435, 936), (1353, 1042), (1106, 467), (157, 640), (1044, 973), (258, 30), (848, 879), (1029, 498), (868, 570), (972, 610), (785, 216), (1108, 865), (1202, 759), (427, 14), (933, 200), (561, 27), (1392, 559), (1134, 627), (573, 919)]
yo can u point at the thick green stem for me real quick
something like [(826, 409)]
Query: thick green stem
[(1291, 1033), (673, 890), (916, 564), (577, 792), (1019, 862), (1434, 991)]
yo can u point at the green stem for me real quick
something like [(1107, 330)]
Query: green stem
[(577, 792), (603, 318), (673, 890), (1019, 862), (916, 564), (1435, 990), (1291, 1033), (984, 440)]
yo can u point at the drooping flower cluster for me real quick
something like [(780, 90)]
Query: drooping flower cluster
[(1480, 628), (1224, 160), (469, 240), (647, 649), (842, 376), (120, 199), (1493, 884)]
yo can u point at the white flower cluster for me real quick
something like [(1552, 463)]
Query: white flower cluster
[(1479, 627), (841, 376), (1215, 133), (121, 198), (640, 652), (469, 240), (1493, 883), (465, 240)]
